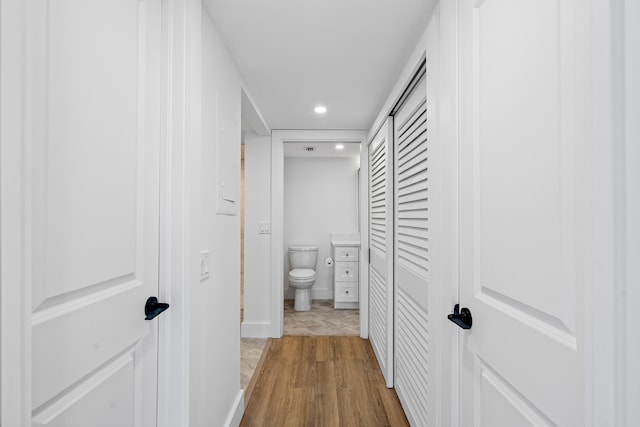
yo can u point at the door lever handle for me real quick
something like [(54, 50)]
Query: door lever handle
[(152, 308), (462, 317)]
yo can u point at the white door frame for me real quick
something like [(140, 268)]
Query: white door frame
[(386, 347), (278, 138), (181, 81), (614, 376), (15, 295), (179, 192), (629, 96)]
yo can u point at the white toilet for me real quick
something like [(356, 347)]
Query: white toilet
[(302, 274)]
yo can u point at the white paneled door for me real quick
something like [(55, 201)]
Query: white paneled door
[(92, 182), (413, 372), (381, 243), (522, 203)]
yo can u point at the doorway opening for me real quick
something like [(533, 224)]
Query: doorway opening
[(321, 209)]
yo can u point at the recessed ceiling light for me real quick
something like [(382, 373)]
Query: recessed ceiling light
[(339, 146), (320, 109)]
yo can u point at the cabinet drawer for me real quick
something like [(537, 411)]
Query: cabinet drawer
[(345, 254), (346, 272), (346, 292)]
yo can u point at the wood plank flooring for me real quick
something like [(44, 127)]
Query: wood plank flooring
[(327, 381), (259, 362)]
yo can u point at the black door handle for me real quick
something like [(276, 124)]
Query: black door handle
[(462, 317), (152, 308)]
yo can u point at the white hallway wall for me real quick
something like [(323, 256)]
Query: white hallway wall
[(218, 401), (320, 198), (257, 256), (215, 395)]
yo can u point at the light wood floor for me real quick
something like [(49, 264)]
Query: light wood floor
[(322, 319), (327, 381)]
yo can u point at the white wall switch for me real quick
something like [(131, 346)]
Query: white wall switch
[(264, 227), (205, 265)]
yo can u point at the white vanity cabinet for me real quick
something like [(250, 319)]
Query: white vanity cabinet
[(345, 273)]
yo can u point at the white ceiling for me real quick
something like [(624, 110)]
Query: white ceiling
[(321, 149), (296, 54)]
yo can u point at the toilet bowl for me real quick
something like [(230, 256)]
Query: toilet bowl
[(302, 274), (302, 279)]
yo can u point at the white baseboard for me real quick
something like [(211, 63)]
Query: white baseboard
[(255, 330), (237, 411), (346, 305), (326, 294), (323, 294)]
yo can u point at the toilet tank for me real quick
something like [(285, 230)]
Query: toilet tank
[(303, 257)]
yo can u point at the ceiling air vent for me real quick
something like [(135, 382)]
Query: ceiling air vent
[(309, 148)]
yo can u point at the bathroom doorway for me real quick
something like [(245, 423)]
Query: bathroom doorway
[(321, 199)]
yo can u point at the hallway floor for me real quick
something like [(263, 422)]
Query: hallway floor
[(322, 381), (322, 319)]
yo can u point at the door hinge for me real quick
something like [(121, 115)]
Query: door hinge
[(369, 256)]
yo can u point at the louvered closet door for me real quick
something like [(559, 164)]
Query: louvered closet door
[(411, 258), (381, 242)]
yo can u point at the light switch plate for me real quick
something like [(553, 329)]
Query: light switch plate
[(205, 265), (264, 227)]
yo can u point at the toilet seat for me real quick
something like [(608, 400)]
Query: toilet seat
[(302, 274)]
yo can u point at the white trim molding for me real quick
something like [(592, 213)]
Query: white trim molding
[(613, 376), (629, 376), (182, 86), (256, 329), (363, 213), (237, 411), (278, 138), (15, 288)]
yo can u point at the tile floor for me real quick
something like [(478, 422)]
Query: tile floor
[(322, 319), (250, 352)]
